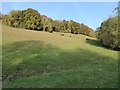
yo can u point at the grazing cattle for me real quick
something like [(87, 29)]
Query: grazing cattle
[(87, 38), (76, 33), (62, 34)]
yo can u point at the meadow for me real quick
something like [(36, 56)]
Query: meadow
[(38, 59)]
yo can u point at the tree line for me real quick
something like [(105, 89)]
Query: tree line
[(33, 20), (108, 33)]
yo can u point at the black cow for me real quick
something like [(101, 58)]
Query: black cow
[(62, 34), (87, 38)]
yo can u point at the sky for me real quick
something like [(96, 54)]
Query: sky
[(91, 14)]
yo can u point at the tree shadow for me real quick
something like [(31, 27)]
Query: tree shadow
[(94, 42), (99, 44)]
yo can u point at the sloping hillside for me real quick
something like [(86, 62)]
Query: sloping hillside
[(42, 59)]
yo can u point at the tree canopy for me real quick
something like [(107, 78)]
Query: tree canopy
[(32, 19), (108, 33)]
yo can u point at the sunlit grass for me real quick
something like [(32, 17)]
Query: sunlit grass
[(42, 59)]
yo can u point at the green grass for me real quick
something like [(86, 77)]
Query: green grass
[(42, 59)]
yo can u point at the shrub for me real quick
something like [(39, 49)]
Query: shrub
[(108, 33)]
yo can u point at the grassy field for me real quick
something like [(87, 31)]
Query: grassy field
[(40, 59)]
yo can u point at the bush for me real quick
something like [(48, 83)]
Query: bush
[(108, 33)]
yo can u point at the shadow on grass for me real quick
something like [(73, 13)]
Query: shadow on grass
[(99, 44), (27, 58), (94, 42)]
